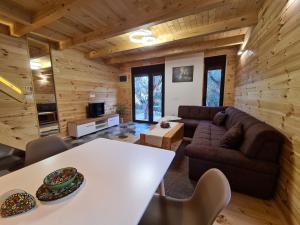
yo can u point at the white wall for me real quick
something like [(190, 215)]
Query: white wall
[(183, 93)]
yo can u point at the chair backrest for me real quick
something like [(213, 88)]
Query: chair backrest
[(43, 148), (212, 194)]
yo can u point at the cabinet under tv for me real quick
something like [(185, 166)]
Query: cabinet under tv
[(79, 128)]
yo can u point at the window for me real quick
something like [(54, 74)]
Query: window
[(213, 88)]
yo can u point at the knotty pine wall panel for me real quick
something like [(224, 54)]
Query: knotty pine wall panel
[(268, 87), (75, 79), (18, 121)]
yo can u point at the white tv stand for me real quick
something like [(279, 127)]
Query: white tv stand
[(79, 128)]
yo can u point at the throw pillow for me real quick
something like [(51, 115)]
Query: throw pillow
[(219, 118), (233, 137)]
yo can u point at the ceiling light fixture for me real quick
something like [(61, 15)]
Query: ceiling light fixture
[(44, 78), (142, 37), (34, 65), (240, 52)]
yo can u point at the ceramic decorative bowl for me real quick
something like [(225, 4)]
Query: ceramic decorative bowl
[(45, 194), (15, 202), (164, 125), (60, 179)]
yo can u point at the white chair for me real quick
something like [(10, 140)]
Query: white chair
[(212, 194)]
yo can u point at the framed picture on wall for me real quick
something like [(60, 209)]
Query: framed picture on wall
[(183, 74)]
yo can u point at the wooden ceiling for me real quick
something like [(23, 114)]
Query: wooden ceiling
[(101, 28)]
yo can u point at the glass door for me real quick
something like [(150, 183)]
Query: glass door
[(148, 93), (141, 98)]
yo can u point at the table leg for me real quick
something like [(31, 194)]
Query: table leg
[(162, 190)]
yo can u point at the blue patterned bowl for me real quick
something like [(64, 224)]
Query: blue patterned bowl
[(60, 178)]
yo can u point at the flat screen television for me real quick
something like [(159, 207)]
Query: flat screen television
[(96, 109)]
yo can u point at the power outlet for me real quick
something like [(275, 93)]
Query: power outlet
[(92, 95), (28, 90)]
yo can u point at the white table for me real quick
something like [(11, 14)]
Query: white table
[(120, 180)]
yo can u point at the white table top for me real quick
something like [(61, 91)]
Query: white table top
[(120, 180)]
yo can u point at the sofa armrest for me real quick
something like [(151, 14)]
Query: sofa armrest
[(198, 112), (229, 157)]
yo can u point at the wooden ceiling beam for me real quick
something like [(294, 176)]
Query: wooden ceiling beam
[(44, 17), (169, 11), (148, 62), (14, 12), (221, 26), (4, 29), (219, 43), (48, 34)]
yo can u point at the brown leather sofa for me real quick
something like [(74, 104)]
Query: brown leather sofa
[(252, 169)]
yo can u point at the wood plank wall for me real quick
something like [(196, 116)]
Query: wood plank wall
[(18, 121), (75, 79), (125, 91), (268, 87)]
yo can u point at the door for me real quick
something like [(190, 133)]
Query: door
[(148, 93), (214, 74)]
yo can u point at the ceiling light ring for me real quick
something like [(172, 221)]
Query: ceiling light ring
[(142, 37), (149, 40)]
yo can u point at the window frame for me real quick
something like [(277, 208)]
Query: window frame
[(149, 71), (214, 63)]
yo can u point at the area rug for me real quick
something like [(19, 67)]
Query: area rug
[(177, 182), (128, 132)]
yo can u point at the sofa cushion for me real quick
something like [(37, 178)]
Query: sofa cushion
[(219, 118), (236, 116), (190, 123), (233, 137), (229, 157), (190, 126), (262, 142), (208, 134), (214, 110), (198, 112)]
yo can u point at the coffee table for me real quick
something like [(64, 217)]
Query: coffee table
[(163, 139)]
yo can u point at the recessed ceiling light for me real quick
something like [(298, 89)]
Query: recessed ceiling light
[(142, 37)]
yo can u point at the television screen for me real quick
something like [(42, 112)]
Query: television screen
[(96, 109)]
